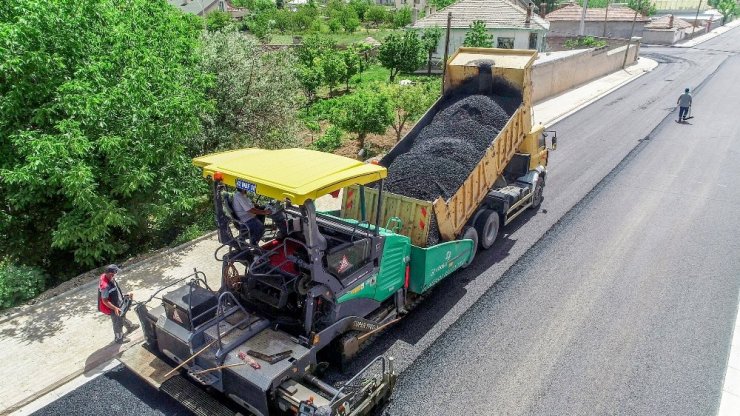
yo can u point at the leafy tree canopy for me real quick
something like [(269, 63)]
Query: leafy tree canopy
[(401, 53), (256, 94), (430, 39), (478, 36), (364, 112), (99, 108), (218, 20), (409, 102)]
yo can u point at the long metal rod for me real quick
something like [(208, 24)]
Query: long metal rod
[(447, 51), (606, 17), (221, 367), (379, 208), (380, 328), (696, 20), (632, 32), (179, 366)]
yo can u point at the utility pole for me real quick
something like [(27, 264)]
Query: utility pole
[(696, 20), (447, 51), (606, 17), (582, 28), (632, 32)]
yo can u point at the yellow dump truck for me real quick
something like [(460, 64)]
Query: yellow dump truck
[(508, 179)]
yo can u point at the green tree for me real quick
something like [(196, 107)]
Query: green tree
[(310, 77), (478, 36), (643, 7), (401, 53), (409, 102), (313, 47), (430, 39), (257, 95), (330, 141), (335, 25), (218, 20), (100, 118), (727, 8), (352, 63), (376, 15), (402, 18), (333, 68), (19, 284), (350, 22), (305, 16), (261, 26), (364, 112), (361, 7)]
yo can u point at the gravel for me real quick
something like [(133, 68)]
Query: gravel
[(478, 135), (424, 176), (464, 152), (480, 108)]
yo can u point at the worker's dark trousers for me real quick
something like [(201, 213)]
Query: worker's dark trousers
[(118, 323), (682, 113)]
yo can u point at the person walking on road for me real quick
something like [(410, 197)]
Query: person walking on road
[(684, 103), (110, 301)]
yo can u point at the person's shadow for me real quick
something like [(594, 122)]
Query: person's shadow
[(101, 356)]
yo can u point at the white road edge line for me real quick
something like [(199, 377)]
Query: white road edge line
[(730, 403), (64, 389)]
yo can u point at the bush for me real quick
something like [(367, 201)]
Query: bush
[(584, 42), (19, 283), (402, 17), (330, 141), (218, 20)]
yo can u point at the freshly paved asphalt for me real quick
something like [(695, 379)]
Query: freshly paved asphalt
[(617, 297), (117, 392), (627, 304)]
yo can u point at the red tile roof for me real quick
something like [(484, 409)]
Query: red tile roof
[(663, 23), (572, 12)]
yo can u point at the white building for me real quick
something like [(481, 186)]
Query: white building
[(511, 25)]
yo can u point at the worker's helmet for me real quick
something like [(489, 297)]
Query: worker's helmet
[(686, 90), (112, 268)]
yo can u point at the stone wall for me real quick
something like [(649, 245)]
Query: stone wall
[(561, 71)]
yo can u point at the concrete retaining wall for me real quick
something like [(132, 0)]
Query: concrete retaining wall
[(551, 76), (613, 29)]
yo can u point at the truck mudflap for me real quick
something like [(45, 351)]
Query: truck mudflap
[(360, 395)]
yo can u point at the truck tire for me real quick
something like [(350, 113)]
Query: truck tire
[(469, 233), (537, 193), (487, 227)]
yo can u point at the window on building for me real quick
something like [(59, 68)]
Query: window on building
[(533, 40), (505, 43)]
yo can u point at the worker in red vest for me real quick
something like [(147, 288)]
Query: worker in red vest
[(110, 301)]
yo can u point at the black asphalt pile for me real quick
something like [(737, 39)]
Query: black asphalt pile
[(479, 108), (478, 135), (424, 176), (446, 151), (464, 152)]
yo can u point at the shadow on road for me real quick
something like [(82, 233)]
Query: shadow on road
[(100, 356)]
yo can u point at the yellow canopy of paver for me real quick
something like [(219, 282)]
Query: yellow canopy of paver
[(296, 174)]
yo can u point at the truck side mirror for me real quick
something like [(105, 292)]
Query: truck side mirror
[(551, 140)]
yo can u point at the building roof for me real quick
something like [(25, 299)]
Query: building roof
[(572, 13), (497, 14), (664, 22), (193, 6)]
